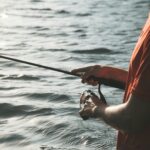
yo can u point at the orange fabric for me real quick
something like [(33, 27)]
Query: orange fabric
[(138, 83)]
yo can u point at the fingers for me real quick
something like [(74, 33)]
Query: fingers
[(96, 100), (88, 74), (86, 112), (85, 69), (86, 105), (83, 115), (82, 71), (90, 82)]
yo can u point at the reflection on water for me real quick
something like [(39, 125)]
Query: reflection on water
[(39, 108)]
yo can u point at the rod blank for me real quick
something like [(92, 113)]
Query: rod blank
[(38, 65), (111, 83)]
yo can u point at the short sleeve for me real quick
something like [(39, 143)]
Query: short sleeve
[(141, 84)]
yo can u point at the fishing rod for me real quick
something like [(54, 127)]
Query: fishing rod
[(101, 81), (50, 68), (104, 81), (38, 65)]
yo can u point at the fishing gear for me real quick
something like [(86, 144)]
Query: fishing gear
[(104, 81), (100, 80), (88, 94), (38, 65), (86, 98)]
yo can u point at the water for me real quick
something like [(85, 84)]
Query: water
[(39, 108)]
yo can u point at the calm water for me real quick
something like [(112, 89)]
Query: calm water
[(39, 108)]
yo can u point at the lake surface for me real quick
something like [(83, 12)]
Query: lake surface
[(39, 108)]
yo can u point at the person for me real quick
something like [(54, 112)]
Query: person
[(132, 117)]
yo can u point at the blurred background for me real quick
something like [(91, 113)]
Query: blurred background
[(39, 108)]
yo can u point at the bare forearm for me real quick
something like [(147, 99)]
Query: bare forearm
[(106, 75), (114, 77), (115, 116)]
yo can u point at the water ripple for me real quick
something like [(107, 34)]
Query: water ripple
[(61, 33), (95, 51), (48, 96), (62, 12), (20, 77), (9, 110), (11, 138)]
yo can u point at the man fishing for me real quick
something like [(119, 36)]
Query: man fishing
[(132, 118)]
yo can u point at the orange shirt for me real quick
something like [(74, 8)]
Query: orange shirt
[(138, 83)]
